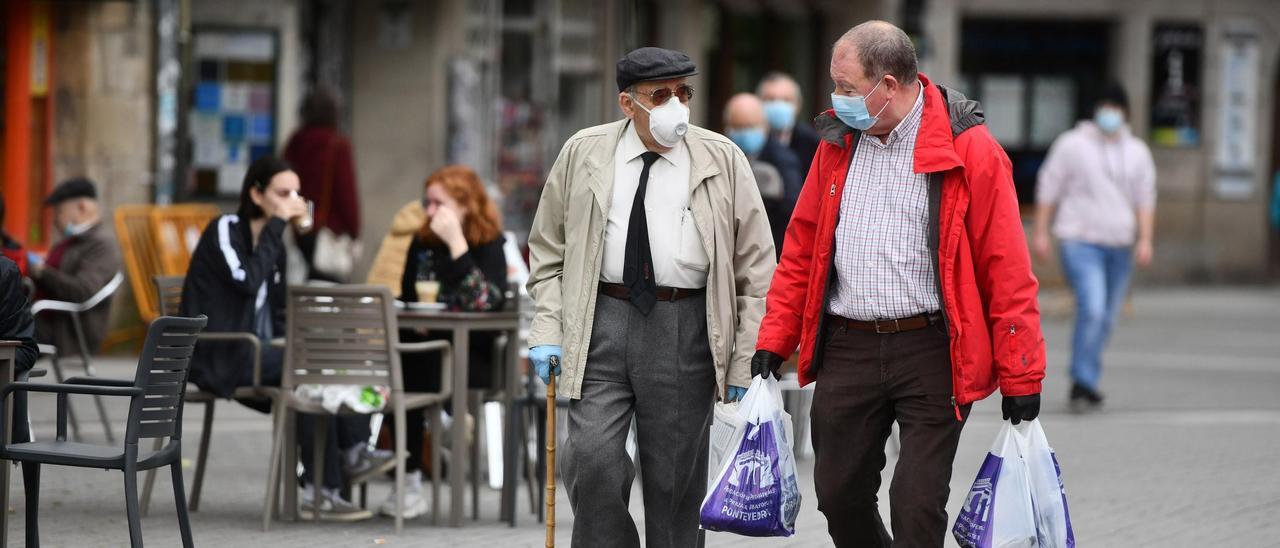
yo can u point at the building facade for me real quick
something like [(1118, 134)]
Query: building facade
[(168, 100)]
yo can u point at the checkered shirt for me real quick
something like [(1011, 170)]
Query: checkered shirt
[(883, 261)]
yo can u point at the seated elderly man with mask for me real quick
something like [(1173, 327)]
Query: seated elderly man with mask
[(77, 267), (773, 164)]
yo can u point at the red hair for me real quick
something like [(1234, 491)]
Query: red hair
[(482, 223)]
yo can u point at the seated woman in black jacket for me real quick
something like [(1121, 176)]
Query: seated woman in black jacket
[(456, 259), (237, 279)]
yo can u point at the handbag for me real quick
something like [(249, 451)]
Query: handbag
[(335, 254)]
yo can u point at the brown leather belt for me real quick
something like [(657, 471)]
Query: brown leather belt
[(619, 291), (888, 326)]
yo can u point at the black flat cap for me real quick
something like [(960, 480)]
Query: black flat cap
[(646, 64), (71, 189)]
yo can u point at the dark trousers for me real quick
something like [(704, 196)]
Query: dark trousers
[(345, 432), (421, 373), (659, 370), (866, 382)]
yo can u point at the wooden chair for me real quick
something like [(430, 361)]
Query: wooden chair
[(158, 240), (155, 411), (141, 260), (176, 230), (169, 296), (347, 335), (73, 312)]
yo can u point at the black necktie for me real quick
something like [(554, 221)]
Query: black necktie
[(637, 267)]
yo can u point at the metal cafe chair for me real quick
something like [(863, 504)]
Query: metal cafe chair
[(155, 411), (347, 335), (169, 298), (74, 310)]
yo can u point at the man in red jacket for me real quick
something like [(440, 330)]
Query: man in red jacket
[(906, 283)]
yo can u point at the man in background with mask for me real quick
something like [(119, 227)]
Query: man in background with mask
[(744, 123), (1097, 188), (78, 266), (650, 254), (787, 123), (906, 284)]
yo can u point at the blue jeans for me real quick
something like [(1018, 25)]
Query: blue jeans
[(1099, 276)]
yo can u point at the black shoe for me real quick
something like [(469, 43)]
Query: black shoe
[(1094, 397)]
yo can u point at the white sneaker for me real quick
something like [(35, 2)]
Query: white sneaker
[(332, 507), (415, 504)]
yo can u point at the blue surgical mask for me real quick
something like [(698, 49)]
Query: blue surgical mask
[(781, 114), (853, 110), (73, 229), (750, 140), (1109, 120)]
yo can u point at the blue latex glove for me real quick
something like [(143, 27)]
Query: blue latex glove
[(736, 393), (541, 358), (33, 259)]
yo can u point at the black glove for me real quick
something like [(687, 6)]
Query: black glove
[(1020, 408), (766, 362)]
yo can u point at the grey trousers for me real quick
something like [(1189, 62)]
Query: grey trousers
[(658, 369)]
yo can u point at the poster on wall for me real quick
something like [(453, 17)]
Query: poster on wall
[(1237, 155), (1005, 110), (1175, 84), (1053, 101), (232, 114)]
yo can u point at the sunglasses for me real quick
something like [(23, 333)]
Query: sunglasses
[(662, 95)]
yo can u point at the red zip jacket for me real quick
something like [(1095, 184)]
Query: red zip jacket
[(975, 232)]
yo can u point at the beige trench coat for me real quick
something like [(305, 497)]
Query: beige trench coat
[(566, 244)]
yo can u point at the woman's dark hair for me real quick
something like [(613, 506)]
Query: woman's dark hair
[(1115, 95), (320, 108), (258, 176)]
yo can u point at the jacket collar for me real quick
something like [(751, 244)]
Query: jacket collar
[(940, 119), (703, 164)]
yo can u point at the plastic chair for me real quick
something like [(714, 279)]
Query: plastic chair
[(169, 296), (347, 335), (74, 310), (155, 411)]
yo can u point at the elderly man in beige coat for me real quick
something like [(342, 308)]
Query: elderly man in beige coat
[(651, 255)]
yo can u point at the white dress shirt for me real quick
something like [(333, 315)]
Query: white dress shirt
[(678, 258), (883, 261)]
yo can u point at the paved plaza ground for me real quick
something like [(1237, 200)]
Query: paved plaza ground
[(1187, 452)]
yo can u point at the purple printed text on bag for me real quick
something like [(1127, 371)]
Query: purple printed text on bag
[(973, 525)]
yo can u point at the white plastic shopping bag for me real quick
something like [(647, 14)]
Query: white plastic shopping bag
[(1017, 500), (1053, 522), (997, 513), (755, 492)]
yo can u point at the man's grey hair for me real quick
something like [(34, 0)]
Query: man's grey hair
[(882, 49)]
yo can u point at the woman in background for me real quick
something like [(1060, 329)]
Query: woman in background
[(324, 162), (456, 259), (237, 279)]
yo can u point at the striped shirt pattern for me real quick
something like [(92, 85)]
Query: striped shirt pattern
[(883, 261)]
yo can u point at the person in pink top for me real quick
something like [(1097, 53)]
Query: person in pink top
[(1097, 195)]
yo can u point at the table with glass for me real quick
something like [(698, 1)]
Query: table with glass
[(461, 325)]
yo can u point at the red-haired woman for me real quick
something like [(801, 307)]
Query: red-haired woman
[(458, 256)]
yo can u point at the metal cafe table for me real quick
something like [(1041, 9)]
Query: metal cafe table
[(462, 324)]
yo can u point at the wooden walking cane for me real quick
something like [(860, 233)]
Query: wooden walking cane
[(551, 454)]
